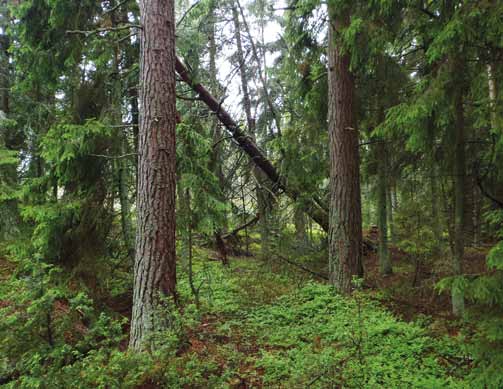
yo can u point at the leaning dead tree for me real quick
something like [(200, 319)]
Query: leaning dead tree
[(312, 207)]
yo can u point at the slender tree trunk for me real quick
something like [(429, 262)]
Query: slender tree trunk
[(300, 227), (262, 77), (126, 222), (9, 220), (433, 181), (477, 203), (435, 214), (263, 198), (345, 219), (383, 252), (121, 163), (491, 83), (389, 212), (459, 193), (216, 158), (247, 238), (155, 260), (195, 291), (4, 74)]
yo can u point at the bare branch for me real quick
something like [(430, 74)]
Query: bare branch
[(88, 33)]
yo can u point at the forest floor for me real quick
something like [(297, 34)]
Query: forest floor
[(267, 324), (410, 291)]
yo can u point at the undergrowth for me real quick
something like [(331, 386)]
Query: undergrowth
[(257, 325)]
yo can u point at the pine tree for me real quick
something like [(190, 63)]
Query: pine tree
[(345, 233), (155, 260)]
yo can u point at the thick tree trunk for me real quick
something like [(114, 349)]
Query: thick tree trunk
[(155, 260), (345, 232), (383, 252)]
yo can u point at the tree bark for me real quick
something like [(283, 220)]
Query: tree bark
[(155, 260), (345, 219)]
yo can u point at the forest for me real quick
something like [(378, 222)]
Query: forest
[(251, 194)]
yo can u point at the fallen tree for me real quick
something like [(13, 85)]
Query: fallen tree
[(311, 206)]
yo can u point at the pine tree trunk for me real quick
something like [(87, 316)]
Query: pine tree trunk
[(155, 260), (345, 228)]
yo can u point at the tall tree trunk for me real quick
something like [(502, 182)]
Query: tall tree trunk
[(263, 197), (459, 194), (383, 252), (216, 162), (155, 259), (345, 219), (262, 77), (433, 181), (4, 73), (121, 163)]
